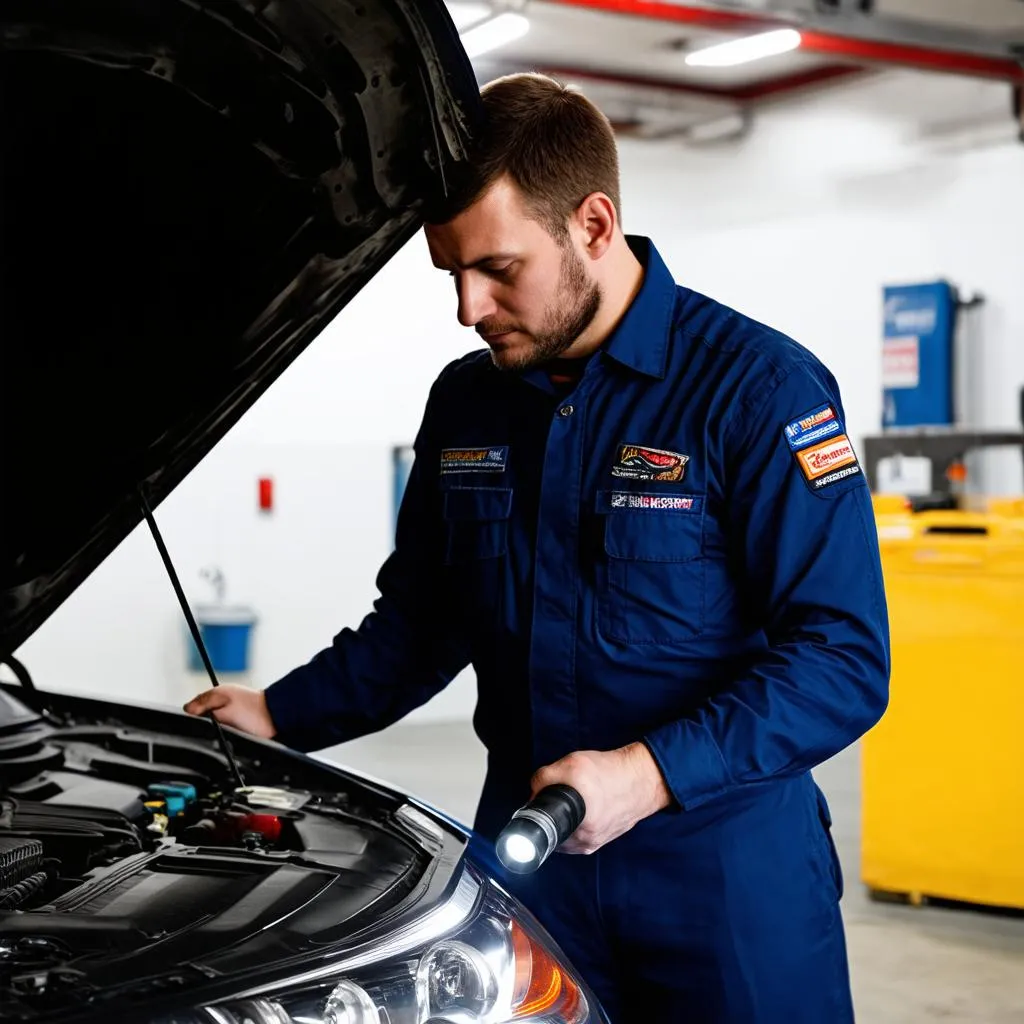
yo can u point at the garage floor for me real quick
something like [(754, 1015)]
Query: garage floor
[(908, 964)]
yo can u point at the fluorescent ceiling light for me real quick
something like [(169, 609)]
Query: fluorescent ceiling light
[(494, 33), (466, 14), (742, 51)]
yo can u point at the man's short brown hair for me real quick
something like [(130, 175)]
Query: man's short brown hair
[(550, 140)]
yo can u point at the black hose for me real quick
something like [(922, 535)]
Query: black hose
[(21, 673), (16, 895), (35, 699)]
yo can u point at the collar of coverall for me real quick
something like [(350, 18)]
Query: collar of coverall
[(640, 341)]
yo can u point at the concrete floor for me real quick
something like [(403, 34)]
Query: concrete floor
[(908, 964)]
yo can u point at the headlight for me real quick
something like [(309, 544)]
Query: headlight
[(492, 968)]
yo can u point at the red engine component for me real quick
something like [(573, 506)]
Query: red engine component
[(226, 827), (267, 825)]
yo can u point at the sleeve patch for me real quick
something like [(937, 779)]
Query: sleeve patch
[(828, 463), (813, 427)]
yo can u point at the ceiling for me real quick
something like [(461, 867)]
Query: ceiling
[(630, 55), (1002, 17)]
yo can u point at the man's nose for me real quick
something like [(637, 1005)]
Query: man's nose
[(475, 302)]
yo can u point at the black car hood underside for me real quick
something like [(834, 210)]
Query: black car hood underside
[(191, 191)]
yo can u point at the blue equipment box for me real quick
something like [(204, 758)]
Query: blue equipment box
[(226, 631), (918, 355)]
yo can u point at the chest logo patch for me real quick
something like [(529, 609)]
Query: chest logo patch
[(829, 463), (636, 462), (474, 460), (814, 427)]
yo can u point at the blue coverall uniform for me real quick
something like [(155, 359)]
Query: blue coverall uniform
[(681, 551)]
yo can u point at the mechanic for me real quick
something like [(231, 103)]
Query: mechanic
[(639, 517)]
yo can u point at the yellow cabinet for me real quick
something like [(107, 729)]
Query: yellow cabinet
[(943, 772)]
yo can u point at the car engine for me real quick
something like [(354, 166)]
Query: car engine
[(123, 850)]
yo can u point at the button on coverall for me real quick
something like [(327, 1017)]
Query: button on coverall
[(681, 552)]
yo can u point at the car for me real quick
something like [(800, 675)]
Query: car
[(191, 191)]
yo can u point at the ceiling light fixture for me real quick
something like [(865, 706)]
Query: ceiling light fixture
[(495, 32), (742, 51)]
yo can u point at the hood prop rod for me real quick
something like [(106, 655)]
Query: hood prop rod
[(193, 629)]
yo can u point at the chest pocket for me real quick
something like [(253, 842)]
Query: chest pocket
[(651, 585), (476, 523)]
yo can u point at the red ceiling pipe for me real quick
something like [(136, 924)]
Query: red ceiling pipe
[(795, 82), (738, 94), (847, 47), (920, 57), (705, 17)]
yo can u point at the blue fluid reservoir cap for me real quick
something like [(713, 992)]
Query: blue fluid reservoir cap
[(175, 805), (177, 794), (188, 791)]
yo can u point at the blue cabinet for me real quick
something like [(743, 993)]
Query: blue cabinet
[(918, 355)]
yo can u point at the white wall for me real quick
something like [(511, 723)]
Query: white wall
[(799, 225), (803, 223)]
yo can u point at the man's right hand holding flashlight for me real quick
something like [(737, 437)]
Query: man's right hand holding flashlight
[(619, 787)]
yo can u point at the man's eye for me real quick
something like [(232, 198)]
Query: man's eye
[(500, 271)]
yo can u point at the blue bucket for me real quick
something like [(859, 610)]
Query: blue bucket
[(226, 632)]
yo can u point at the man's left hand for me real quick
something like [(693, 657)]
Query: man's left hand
[(620, 787)]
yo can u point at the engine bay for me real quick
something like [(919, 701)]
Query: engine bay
[(130, 860), (108, 793)]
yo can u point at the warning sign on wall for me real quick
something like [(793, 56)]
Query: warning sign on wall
[(901, 362)]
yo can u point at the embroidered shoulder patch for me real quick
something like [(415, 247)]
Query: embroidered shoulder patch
[(815, 426), (637, 462), (828, 463), (474, 460)]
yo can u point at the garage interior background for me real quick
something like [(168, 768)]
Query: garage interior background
[(794, 188), (889, 177)]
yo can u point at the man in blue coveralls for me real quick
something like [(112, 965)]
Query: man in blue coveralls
[(640, 518)]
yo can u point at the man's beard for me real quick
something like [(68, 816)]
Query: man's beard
[(579, 300)]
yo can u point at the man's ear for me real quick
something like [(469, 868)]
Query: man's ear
[(596, 219)]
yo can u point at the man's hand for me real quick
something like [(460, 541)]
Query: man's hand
[(620, 787), (237, 706)]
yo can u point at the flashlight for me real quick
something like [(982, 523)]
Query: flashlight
[(539, 828)]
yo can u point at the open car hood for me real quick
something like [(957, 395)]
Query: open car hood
[(191, 191)]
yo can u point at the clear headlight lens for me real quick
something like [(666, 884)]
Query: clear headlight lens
[(350, 1004), (457, 982), (494, 969)]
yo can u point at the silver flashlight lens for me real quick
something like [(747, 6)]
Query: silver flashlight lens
[(539, 828), (520, 849)]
